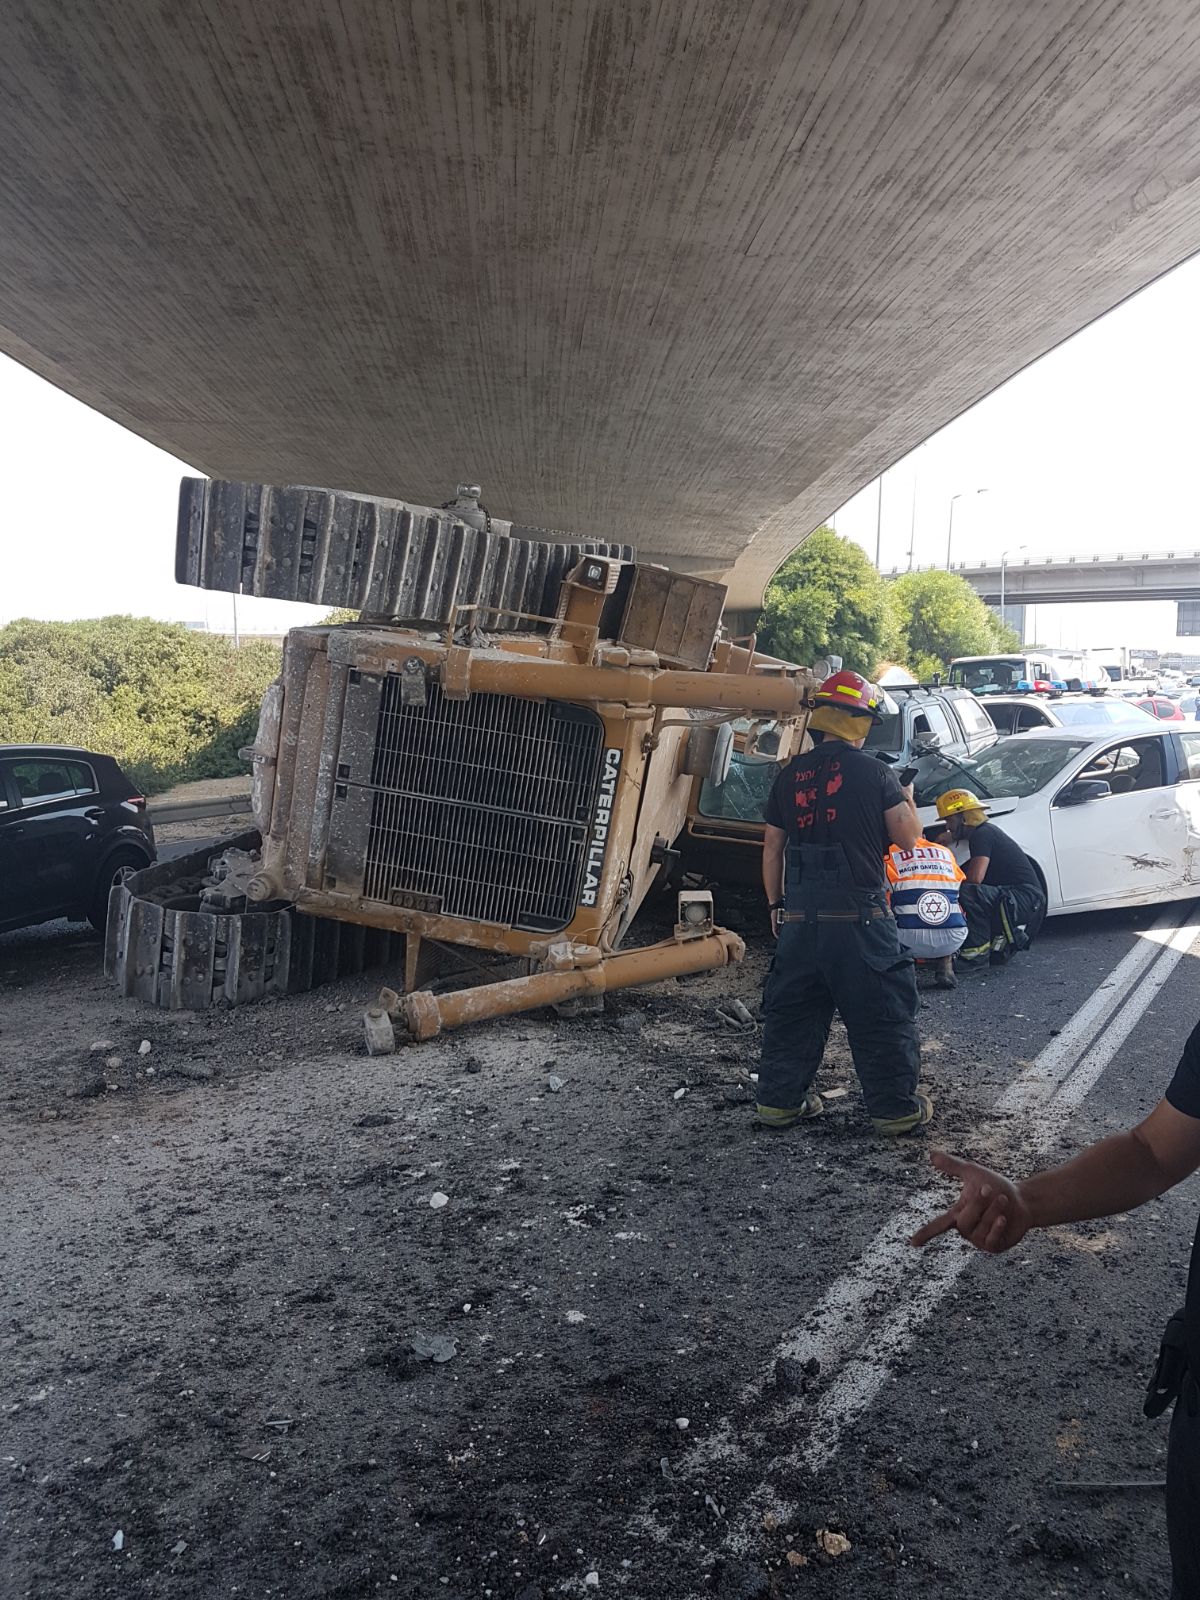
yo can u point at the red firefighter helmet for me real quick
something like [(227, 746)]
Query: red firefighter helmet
[(849, 691)]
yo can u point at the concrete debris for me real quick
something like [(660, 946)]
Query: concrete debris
[(145, 1047), (118, 1540), (99, 1047), (795, 1559), (555, 1084), (834, 1094), (179, 1547), (795, 1377), (833, 1544), (592, 1580), (436, 1347), (113, 1063), (679, 1094), (437, 1200), (681, 1423)]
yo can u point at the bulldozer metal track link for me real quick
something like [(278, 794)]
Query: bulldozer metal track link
[(161, 947), (382, 557)]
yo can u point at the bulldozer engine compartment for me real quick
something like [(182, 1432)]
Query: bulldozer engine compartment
[(500, 755)]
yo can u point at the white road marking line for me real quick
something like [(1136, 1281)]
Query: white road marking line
[(1083, 1077), (1057, 1081), (1060, 1055)]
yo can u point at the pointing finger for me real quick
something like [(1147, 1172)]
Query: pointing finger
[(931, 1230)]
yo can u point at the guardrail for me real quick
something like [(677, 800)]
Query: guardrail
[(164, 811)]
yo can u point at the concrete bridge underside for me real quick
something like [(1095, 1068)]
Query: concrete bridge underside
[(678, 272)]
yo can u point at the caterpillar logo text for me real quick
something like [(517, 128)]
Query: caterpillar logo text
[(593, 867)]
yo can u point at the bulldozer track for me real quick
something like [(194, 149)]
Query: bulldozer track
[(161, 947)]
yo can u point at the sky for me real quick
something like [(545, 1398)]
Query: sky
[(1090, 450)]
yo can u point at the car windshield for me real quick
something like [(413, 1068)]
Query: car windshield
[(995, 674), (1014, 767)]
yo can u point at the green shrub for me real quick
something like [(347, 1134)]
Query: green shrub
[(168, 702)]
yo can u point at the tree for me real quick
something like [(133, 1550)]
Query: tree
[(933, 617), (167, 701), (826, 599)]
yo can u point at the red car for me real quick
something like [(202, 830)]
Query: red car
[(1165, 710)]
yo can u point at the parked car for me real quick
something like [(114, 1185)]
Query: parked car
[(70, 822), (1108, 820), (1018, 713), (1162, 708)]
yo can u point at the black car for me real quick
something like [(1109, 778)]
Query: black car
[(70, 821)]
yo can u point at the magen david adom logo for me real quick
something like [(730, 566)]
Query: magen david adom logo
[(933, 908)]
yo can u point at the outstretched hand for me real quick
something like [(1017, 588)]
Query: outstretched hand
[(989, 1213)]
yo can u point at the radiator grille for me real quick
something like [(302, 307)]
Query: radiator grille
[(482, 806)]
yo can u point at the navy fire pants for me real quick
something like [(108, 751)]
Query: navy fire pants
[(838, 950)]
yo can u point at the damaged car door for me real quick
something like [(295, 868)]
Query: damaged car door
[(1126, 842)]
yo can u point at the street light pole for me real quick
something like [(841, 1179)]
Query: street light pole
[(950, 529), (878, 520), (912, 519)]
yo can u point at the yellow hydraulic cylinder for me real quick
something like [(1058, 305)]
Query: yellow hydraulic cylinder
[(425, 1015)]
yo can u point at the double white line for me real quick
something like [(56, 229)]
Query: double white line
[(857, 1352)]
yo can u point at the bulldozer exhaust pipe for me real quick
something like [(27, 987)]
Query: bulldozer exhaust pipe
[(425, 1015)]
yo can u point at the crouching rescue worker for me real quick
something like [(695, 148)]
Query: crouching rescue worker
[(924, 891), (830, 817), (1002, 894)]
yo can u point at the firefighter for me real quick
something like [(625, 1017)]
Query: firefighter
[(830, 817), (924, 893), (1003, 895)]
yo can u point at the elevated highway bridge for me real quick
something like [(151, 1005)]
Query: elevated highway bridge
[(1165, 575), (683, 273)]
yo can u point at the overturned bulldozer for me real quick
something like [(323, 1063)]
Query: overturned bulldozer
[(498, 757)]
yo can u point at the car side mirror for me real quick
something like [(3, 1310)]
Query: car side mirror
[(1083, 790)]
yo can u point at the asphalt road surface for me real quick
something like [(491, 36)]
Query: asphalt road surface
[(686, 1357)]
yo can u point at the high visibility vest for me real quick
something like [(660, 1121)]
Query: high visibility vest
[(924, 886)]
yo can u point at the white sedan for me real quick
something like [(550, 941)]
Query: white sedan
[(1109, 820)]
